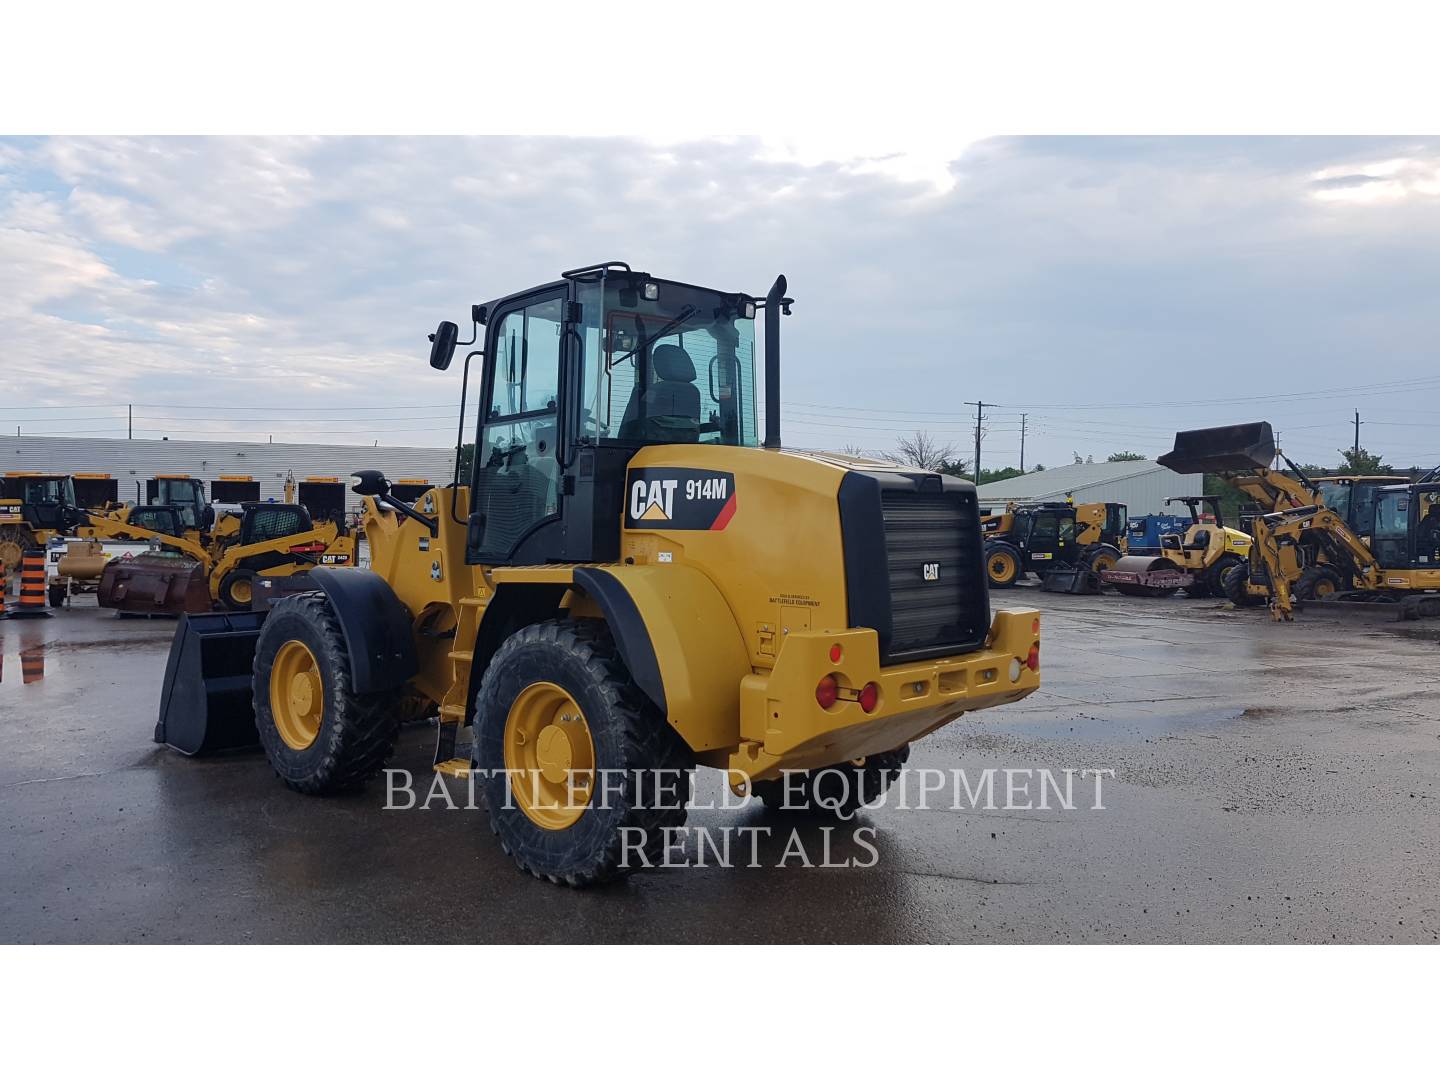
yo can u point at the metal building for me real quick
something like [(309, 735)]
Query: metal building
[(1143, 486), (251, 469)]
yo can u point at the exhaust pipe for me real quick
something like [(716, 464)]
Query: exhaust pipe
[(774, 301), (1233, 448)]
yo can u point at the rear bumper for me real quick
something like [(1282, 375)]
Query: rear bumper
[(784, 727)]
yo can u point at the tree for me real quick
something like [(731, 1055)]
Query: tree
[(1039, 468), (1125, 455), (1362, 463), (923, 452)]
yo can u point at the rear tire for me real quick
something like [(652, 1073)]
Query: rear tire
[(625, 767), (1215, 576), (15, 540), (320, 736), (840, 790), (1318, 582), (56, 595), (1233, 585), (1002, 564)]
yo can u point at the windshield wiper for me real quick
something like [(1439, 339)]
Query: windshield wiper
[(688, 312)]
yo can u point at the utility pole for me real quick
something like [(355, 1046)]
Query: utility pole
[(979, 417), (130, 421), (1357, 435), (1022, 441)]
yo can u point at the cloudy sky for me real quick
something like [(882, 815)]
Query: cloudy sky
[(1111, 289)]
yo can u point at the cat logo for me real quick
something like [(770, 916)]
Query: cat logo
[(931, 571), (653, 500)]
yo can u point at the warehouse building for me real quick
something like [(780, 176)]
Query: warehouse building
[(120, 469), (1143, 486)]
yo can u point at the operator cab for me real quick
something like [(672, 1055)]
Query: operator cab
[(47, 501), (1407, 526), (1353, 498), (580, 374), (187, 495), (1046, 534)]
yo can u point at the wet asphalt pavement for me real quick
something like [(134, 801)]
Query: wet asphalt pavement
[(1271, 784)]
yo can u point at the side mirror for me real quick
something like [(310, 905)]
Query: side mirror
[(209, 516), (442, 345), (372, 481)]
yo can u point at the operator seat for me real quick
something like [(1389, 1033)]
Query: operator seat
[(669, 409), (1201, 541)]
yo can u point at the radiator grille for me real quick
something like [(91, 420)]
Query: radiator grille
[(939, 529)]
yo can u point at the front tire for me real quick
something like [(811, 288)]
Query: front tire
[(1318, 583), (1002, 564), (1234, 585), (320, 736), (580, 773), (237, 590)]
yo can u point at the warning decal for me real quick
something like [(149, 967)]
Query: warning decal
[(695, 499)]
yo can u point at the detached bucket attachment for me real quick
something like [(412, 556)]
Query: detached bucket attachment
[(1234, 448), (1071, 579), (155, 584), (205, 702)]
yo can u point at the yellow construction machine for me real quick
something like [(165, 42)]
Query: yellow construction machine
[(1381, 549), (1196, 560), (200, 558), (631, 582), (1045, 538)]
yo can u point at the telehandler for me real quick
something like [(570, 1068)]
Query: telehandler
[(1304, 549), (631, 582), (1043, 537)]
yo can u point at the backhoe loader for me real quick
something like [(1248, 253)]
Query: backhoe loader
[(632, 581), (1305, 550)]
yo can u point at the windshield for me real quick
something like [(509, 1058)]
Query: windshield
[(678, 367), (51, 489)]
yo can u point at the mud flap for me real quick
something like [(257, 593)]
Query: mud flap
[(205, 701)]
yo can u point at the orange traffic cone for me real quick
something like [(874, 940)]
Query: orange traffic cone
[(32, 588)]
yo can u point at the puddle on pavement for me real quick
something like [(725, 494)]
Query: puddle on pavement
[(1091, 726)]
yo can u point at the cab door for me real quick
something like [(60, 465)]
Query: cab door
[(515, 487), (1051, 539)]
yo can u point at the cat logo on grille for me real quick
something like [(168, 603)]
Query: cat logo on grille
[(931, 570)]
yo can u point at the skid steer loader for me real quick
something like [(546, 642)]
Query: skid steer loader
[(631, 582), (1308, 551)]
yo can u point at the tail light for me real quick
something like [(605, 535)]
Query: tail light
[(827, 691), (1033, 660), (869, 697)]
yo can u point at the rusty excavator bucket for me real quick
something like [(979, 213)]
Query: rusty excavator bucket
[(1233, 448), (205, 700), (155, 584)]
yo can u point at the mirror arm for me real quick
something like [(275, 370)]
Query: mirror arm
[(460, 433)]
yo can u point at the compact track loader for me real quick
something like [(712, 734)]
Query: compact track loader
[(1308, 551), (631, 582)]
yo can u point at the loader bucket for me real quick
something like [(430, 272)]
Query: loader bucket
[(155, 584), (205, 701), (1234, 448)]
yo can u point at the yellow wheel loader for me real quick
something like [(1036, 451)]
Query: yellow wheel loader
[(1308, 551), (632, 581), (1196, 560)]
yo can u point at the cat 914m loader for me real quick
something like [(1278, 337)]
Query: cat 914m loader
[(632, 581)]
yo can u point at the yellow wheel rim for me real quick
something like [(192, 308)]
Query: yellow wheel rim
[(297, 695), (1103, 562), (550, 756), (1002, 567), (1324, 587), (242, 591), (10, 555)]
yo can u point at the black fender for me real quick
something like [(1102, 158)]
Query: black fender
[(376, 625), (627, 626)]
